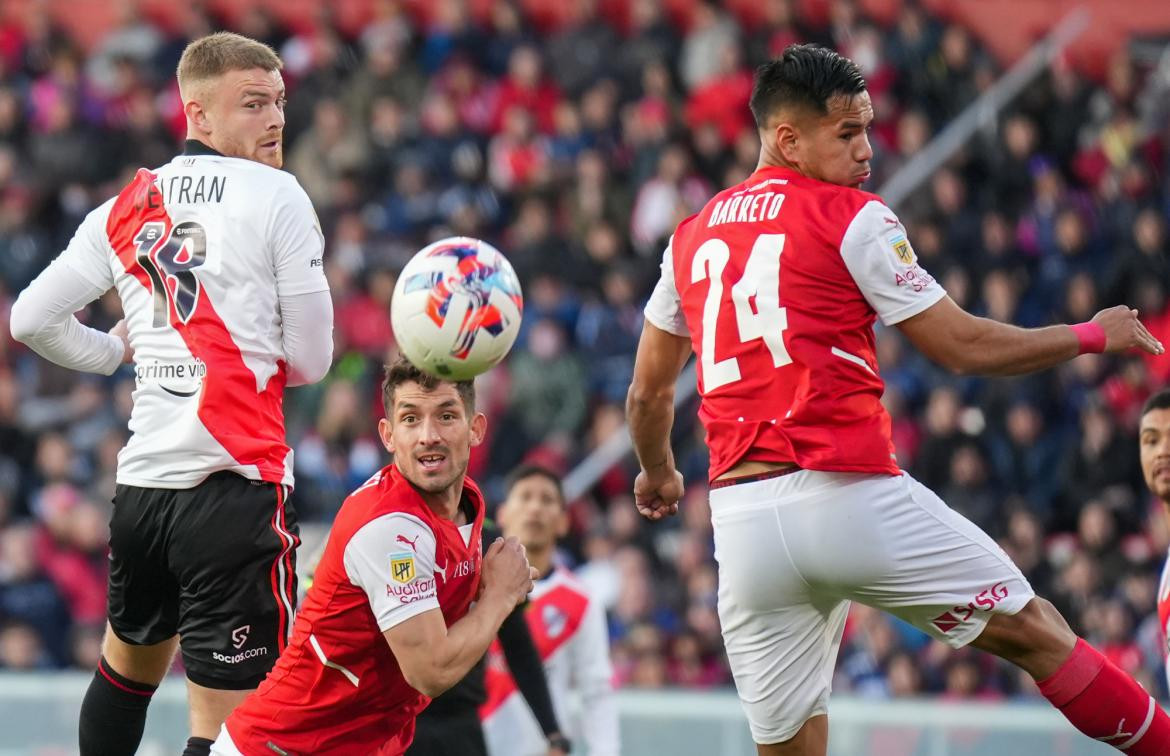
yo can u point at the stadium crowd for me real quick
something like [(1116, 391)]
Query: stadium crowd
[(575, 143)]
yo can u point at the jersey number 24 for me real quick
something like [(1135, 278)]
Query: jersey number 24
[(766, 320)]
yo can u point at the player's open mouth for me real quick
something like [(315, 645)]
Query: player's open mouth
[(273, 145), (431, 461)]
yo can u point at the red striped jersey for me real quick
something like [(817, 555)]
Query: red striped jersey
[(200, 251), (778, 282), (337, 688)]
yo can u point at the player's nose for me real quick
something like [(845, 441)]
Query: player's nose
[(864, 151)]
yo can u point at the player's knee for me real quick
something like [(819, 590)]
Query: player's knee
[(1036, 638)]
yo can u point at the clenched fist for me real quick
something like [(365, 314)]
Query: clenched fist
[(506, 572)]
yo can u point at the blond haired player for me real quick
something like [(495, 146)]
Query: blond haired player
[(217, 258)]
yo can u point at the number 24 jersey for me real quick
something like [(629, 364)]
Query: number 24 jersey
[(778, 282)]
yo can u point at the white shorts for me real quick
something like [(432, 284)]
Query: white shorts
[(794, 550), (223, 745)]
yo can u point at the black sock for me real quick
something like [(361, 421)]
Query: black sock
[(197, 747), (113, 713)]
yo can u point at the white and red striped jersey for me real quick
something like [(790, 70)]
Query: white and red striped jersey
[(569, 629), (778, 282), (201, 250)]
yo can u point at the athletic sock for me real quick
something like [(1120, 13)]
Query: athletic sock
[(197, 747), (1106, 704), (113, 713)]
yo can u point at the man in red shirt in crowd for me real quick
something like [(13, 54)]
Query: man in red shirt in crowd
[(388, 623), (776, 285)]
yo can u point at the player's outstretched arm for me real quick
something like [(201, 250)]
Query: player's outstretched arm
[(969, 345), (432, 656), (650, 413)]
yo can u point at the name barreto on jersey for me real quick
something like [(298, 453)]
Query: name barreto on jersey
[(183, 190), (748, 206)]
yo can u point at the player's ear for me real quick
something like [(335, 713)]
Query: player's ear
[(478, 428), (385, 432), (787, 142)]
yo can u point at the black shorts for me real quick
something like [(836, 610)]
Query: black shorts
[(448, 736), (216, 564)]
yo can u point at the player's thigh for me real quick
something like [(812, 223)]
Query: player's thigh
[(142, 591), (781, 637), (208, 708), (237, 562), (145, 664), (943, 574)]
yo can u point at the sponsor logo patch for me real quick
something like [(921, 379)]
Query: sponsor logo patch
[(902, 249), (402, 567)]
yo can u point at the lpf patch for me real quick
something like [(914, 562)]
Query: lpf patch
[(402, 567), (902, 249)]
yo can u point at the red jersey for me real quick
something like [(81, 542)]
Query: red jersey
[(778, 282), (1164, 614), (337, 688)]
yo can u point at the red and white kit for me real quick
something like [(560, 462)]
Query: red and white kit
[(201, 251), (778, 282), (1164, 614), (337, 689), (569, 629)]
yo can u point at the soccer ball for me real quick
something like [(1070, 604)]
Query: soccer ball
[(456, 308)]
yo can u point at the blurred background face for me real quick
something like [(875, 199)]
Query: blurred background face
[(534, 513), (1154, 441)]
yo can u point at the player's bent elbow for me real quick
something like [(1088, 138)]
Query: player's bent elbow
[(430, 682), (23, 322)]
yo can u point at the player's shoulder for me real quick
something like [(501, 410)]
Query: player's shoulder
[(563, 577)]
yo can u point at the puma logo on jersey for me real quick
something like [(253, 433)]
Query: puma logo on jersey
[(1119, 735), (412, 544)]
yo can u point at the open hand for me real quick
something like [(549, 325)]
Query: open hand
[(1123, 331)]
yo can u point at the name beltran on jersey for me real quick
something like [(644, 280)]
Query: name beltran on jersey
[(185, 190)]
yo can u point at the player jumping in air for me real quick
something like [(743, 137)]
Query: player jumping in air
[(776, 285), (216, 257), (1154, 443), (388, 623)]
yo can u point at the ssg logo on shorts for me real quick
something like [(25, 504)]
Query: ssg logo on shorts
[(402, 567), (986, 601)]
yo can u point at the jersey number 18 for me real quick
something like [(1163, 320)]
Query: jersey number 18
[(171, 265)]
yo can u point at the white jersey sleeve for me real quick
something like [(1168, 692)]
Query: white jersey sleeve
[(297, 242), (42, 317), (878, 254), (664, 309), (392, 558), (592, 675)]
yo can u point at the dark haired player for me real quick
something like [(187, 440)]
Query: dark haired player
[(776, 285), (1154, 443), (389, 623)]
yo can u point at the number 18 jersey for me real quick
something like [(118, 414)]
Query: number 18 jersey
[(778, 282), (201, 250)]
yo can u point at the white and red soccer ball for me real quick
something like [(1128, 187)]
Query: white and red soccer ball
[(456, 308)]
